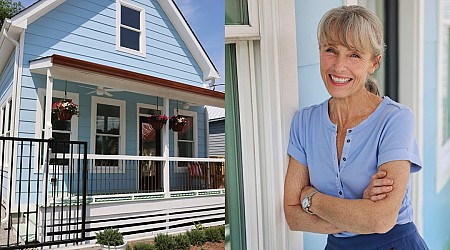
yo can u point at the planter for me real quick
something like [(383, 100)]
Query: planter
[(121, 247), (177, 127), (64, 115), (157, 124)]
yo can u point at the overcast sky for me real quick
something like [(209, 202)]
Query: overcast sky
[(206, 18)]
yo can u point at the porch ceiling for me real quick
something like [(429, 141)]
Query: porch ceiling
[(76, 70)]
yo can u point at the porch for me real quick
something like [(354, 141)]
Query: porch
[(72, 194)]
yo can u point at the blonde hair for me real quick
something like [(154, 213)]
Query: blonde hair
[(353, 27)]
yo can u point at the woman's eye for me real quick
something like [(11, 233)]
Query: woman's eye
[(330, 50), (355, 56)]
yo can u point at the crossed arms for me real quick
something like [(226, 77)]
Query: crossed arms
[(376, 212)]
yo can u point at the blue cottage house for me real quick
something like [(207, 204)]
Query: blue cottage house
[(119, 61)]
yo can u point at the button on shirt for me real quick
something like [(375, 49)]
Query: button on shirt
[(386, 135)]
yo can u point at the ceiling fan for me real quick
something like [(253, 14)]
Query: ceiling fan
[(100, 90)]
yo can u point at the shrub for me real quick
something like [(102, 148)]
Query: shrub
[(109, 237), (144, 246), (213, 234), (222, 232), (196, 236), (164, 242), (182, 242)]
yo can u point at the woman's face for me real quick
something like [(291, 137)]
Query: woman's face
[(344, 71)]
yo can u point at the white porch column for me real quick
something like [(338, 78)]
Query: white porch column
[(166, 169), (48, 106)]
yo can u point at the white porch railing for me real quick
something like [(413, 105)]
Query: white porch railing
[(124, 177)]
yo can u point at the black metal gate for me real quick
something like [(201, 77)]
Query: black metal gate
[(43, 192)]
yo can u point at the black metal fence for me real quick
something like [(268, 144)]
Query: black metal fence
[(43, 192)]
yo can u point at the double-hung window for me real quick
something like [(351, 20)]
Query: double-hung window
[(186, 140), (130, 29), (108, 133)]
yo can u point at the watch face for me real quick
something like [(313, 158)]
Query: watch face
[(305, 203)]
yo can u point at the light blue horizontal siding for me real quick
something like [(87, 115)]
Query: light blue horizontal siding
[(6, 79), (86, 30)]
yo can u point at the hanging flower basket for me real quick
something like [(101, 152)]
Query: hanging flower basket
[(157, 121), (64, 115), (65, 109), (177, 123)]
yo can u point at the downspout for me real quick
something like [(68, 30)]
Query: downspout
[(15, 78), (13, 107)]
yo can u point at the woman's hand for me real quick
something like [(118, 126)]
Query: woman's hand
[(379, 187)]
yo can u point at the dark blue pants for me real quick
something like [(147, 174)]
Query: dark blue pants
[(399, 237)]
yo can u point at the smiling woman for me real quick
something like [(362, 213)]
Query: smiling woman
[(367, 146)]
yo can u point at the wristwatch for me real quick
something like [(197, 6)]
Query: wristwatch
[(306, 202)]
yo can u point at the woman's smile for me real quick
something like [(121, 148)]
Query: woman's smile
[(339, 81)]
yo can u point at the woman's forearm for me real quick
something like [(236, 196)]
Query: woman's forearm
[(299, 220), (361, 216)]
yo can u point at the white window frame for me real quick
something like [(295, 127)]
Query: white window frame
[(234, 33), (142, 32), (40, 105), (122, 132), (138, 114), (193, 114), (443, 147), (5, 108)]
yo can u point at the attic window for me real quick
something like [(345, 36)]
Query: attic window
[(130, 28)]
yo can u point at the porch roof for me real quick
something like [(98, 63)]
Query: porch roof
[(72, 69)]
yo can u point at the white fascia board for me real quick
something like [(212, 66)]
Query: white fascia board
[(40, 66), (34, 12), (178, 21)]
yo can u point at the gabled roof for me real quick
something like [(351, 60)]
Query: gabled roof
[(20, 21)]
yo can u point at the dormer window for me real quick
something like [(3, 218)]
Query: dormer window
[(130, 28)]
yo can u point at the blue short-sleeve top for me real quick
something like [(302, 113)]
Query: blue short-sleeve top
[(386, 135)]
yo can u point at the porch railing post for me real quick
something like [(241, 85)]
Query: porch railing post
[(166, 169), (166, 173)]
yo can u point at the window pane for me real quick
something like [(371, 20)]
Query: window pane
[(185, 149), (61, 147), (108, 119), (107, 145), (129, 39), (236, 12), (188, 131), (3, 120), (130, 17), (149, 111), (9, 116)]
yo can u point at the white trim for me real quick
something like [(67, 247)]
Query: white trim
[(138, 115), (185, 32), (40, 119), (411, 85), (34, 12), (245, 65), (194, 137), (234, 33), (443, 159), (122, 134), (142, 32), (39, 111)]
